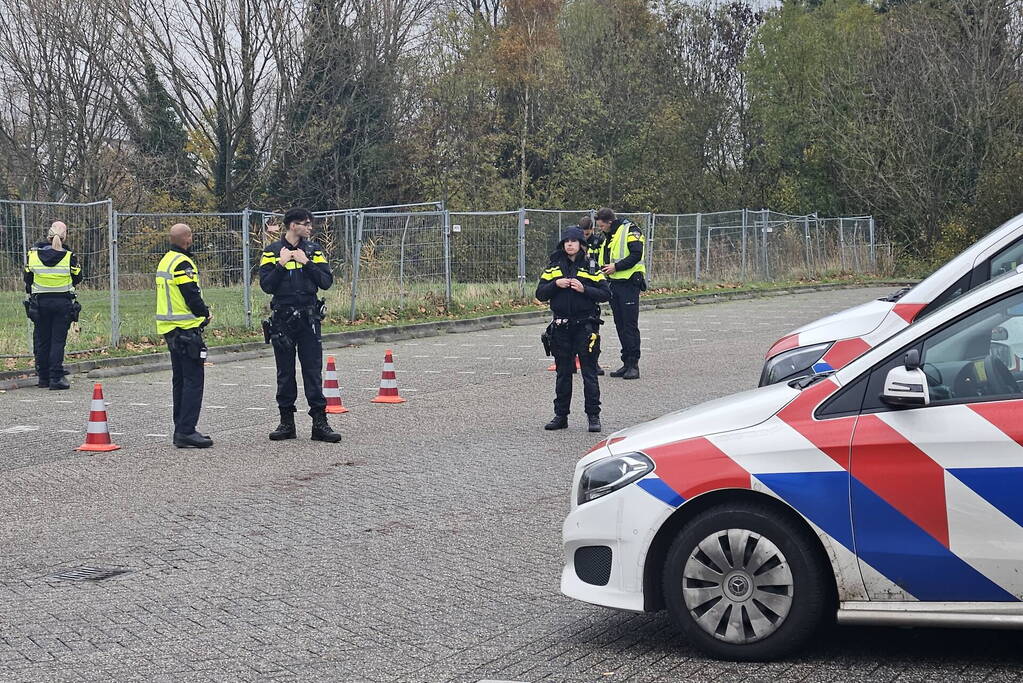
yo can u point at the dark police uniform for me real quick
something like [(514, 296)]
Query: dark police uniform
[(180, 315), (295, 319), (575, 329), (623, 246), (50, 279)]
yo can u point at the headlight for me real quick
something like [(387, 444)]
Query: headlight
[(793, 363), (610, 474)]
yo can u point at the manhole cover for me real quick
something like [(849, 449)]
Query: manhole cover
[(87, 573)]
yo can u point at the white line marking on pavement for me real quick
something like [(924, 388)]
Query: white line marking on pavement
[(699, 340), (29, 400), (69, 431), (255, 408), (671, 339), (18, 429), (466, 372), (62, 401), (484, 358), (226, 384), (158, 435), (141, 405), (116, 433), (451, 357), (513, 359), (262, 385), (129, 381), (364, 370), (498, 346), (432, 372), (216, 406), (502, 373), (267, 367), (421, 356)]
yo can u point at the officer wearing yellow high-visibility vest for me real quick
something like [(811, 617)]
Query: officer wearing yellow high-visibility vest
[(181, 315), (620, 258), (51, 273)]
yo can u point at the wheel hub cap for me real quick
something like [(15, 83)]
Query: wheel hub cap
[(737, 586)]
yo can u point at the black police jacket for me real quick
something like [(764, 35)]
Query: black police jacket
[(566, 302), (295, 284)]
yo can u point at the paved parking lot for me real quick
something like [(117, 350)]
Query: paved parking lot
[(424, 547)]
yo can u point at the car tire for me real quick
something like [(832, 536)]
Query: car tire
[(755, 605)]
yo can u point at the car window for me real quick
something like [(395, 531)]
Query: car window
[(1007, 259), (958, 288), (979, 356)]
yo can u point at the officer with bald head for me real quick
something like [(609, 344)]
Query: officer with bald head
[(51, 273), (181, 315)]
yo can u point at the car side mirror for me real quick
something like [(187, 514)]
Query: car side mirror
[(906, 386)]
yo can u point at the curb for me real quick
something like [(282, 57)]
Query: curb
[(153, 362)]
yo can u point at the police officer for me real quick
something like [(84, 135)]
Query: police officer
[(594, 238), (292, 270), (51, 273), (181, 315), (575, 291), (620, 258)]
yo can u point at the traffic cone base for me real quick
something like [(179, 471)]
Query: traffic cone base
[(554, 366), (388, 383), (97, 437), (331, 389)]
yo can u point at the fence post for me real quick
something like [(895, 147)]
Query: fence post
[(841, 241), (357, 258), (767, 250), (873, 246), (447, 258), (743, 253), (522, 251), (246, 268), (115, 303), (648, 255), (699, 229), (806, 241), (24, 235)]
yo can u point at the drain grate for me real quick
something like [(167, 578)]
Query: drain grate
[(87, 573)]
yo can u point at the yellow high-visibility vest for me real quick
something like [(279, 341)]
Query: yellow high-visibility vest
[(49, 279), (171, 310), (619, 249)]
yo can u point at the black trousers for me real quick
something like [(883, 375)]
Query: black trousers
[(305, 341), (568, 341), (188, 378), (625, 307), (50, 336)]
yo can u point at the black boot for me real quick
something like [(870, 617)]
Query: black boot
[(620, 371), (631, 372), (321, 428), (193, 440), (559, 422), (286, 429), (58, 384), (594, 421), (600, 371)]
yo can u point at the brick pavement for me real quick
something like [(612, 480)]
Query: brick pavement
[(425, 547)]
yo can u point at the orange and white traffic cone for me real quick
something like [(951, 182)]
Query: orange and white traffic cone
[(331, 389), (554, 366), (388, 383), (97, 437)]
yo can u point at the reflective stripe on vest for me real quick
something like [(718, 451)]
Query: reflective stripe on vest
[(619, 249), (50, 279), (171, 310)]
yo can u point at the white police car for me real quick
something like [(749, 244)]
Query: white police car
[(888, 492), (833, 341)]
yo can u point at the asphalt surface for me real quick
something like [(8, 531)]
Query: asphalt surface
[(423, 547)]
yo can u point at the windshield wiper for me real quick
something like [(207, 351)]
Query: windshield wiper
[(803, 382), (896, 295)]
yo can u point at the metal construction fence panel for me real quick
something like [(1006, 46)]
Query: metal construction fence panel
[(391, 258), (219, 246), (23, 224)]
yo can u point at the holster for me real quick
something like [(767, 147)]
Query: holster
[(75, 312), (32, 308), (189, 344), (545, 339), (267, 330)]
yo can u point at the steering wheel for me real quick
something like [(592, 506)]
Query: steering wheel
[(933, 375), (999, 379)]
